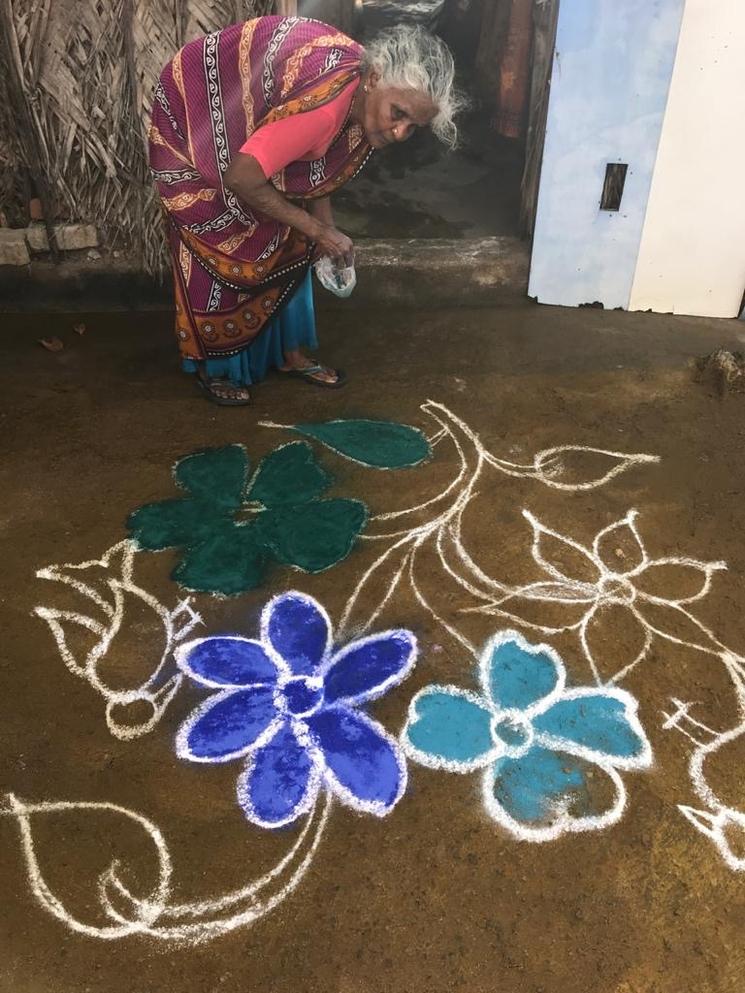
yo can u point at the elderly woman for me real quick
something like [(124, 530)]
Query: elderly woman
[(253, 129)]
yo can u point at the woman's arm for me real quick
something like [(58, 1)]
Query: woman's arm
[(321, 210), (245, 178)]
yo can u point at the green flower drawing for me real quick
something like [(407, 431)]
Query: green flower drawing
[(232, 528)]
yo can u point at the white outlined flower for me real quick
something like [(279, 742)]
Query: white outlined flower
[(614, 582), (551, 756), (290, 706)]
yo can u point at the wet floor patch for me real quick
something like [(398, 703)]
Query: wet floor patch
[(512, 713)]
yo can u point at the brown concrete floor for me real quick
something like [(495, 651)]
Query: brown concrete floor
[(435, 897)]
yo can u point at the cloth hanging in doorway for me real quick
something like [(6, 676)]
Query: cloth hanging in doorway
[(510, 119)]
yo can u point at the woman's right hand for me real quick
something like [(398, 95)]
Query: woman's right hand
[(332, 242)]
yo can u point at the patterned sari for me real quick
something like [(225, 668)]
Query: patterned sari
[(233, 269)]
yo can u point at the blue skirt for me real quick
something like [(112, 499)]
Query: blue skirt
[(293, 327)]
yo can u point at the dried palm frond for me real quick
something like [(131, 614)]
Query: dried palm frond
[(76, 98), (14, 187)]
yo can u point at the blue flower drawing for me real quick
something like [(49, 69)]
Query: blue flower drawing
[(288, 705), (550, 755)]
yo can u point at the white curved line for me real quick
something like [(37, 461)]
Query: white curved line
[(22, 811), (148, 913)]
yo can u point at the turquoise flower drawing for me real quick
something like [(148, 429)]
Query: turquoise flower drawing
[(550, 757), (232, 527)]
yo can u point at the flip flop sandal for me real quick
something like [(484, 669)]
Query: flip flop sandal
[(208, 385), (308, 372)]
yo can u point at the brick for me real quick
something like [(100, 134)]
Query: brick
[(76, 236), (36, 235), (70, 237), (13, 249)]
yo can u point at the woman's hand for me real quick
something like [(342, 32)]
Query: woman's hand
[(332, 242), (246, 179)]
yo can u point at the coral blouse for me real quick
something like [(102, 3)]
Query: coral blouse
[(305, 136)]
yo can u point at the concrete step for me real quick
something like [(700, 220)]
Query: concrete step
[(440, 271), (434, 272)]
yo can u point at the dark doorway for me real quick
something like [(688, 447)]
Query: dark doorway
[(421, 189)]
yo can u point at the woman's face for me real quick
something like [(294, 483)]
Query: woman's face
[(390, 114)]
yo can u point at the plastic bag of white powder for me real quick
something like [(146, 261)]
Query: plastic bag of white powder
[(339, 281)]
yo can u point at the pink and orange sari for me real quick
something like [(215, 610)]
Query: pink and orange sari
[(234, 269)]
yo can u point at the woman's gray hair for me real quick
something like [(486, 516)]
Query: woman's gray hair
[(411, 58)]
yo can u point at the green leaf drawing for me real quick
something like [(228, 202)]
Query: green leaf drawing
[(289, 475), (313, 536), (379, 444), (230, 561), (216, 474)]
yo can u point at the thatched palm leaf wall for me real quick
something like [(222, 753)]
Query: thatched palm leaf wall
[(74, 105)]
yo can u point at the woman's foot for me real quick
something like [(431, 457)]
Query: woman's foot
[(225, 393), (300, 365)]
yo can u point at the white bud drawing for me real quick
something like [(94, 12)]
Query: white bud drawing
[(107, 587)]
